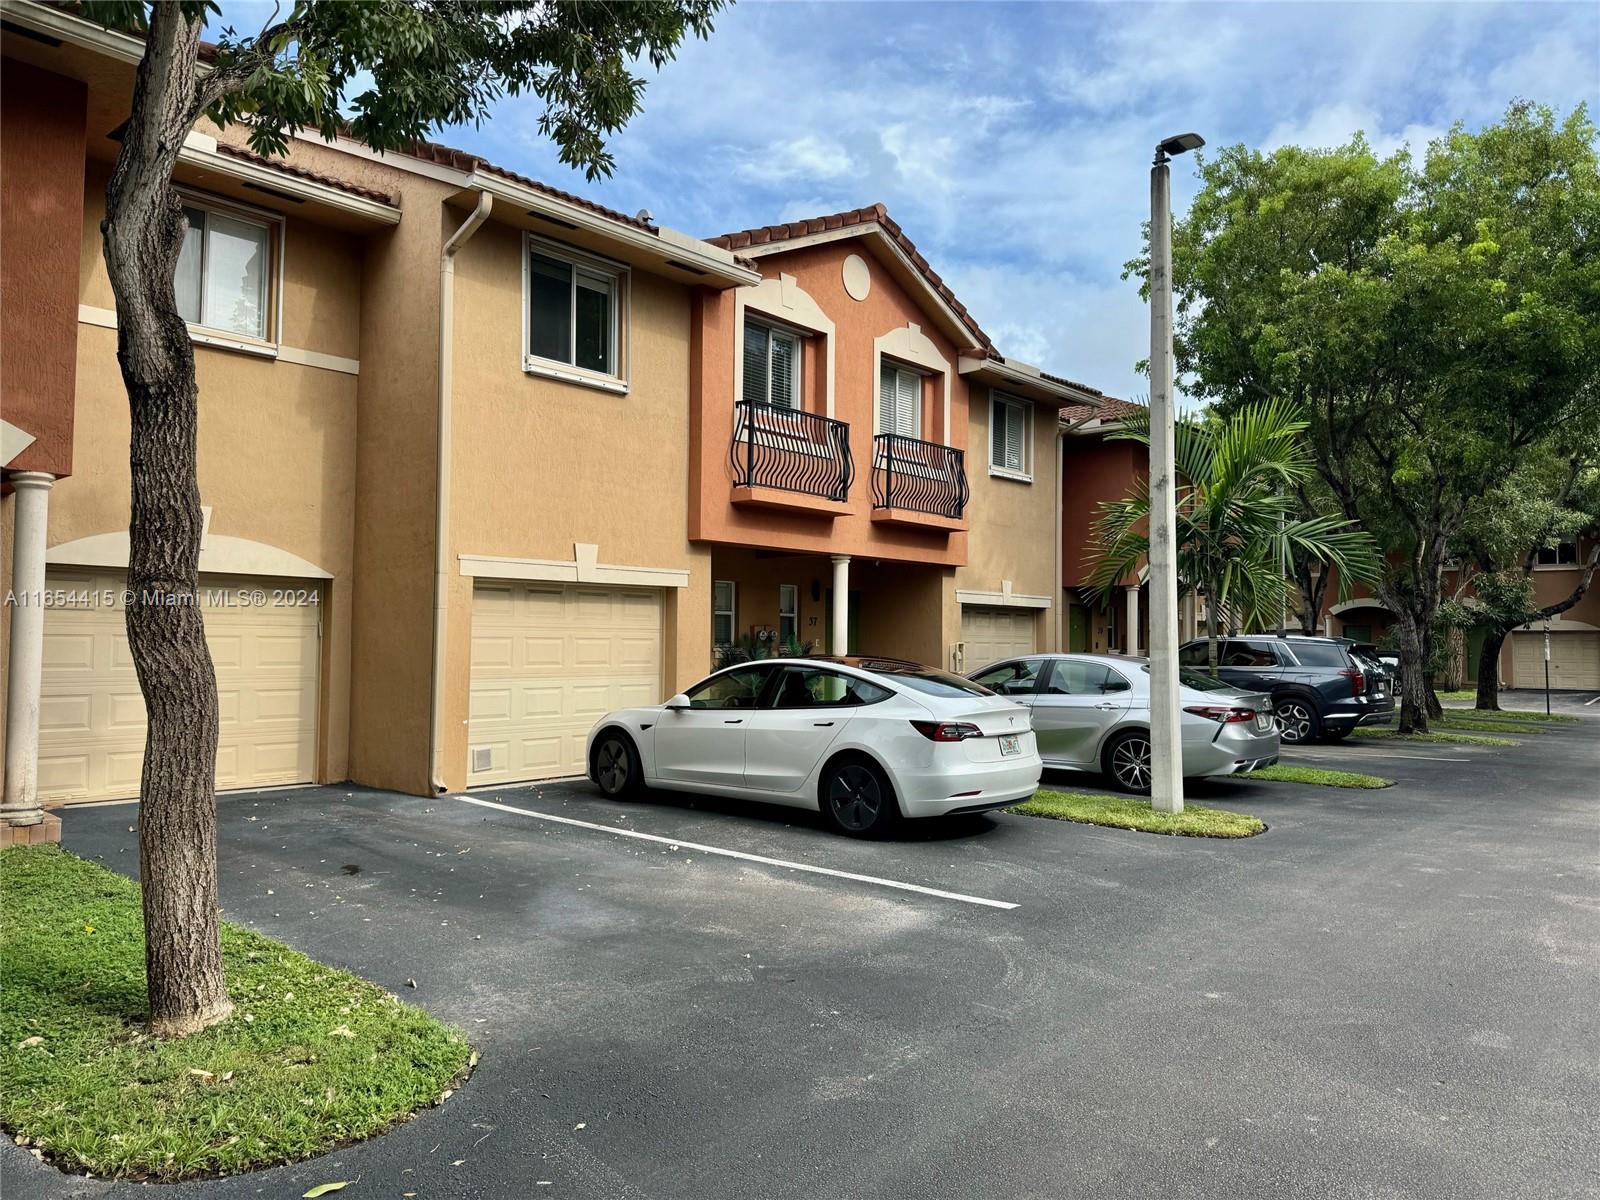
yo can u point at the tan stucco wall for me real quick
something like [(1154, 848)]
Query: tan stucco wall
[(277, 440), (1013, 524), (540, 464), (395, 484)]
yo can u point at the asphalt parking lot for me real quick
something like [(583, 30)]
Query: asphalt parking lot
[(1389, 993)]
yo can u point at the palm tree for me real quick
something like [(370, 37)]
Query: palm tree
[(1238, 522)]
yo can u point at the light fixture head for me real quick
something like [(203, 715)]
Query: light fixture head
[(1181, 144)]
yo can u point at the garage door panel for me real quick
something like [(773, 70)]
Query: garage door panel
[(267, 663), (991, 634), (577, 653), (1574, 660), (125, 712), (68, 652)]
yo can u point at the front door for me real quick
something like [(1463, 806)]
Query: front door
[(1078, 629), (705, 743), (1077, 703)]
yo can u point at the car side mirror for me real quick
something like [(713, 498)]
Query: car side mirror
[(678, 703)]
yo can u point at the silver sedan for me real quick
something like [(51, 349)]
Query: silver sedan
[(1091, 712)]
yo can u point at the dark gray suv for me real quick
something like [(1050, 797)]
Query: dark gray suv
[(1321, 687)]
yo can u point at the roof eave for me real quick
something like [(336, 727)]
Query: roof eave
[(1028, 381), (696, 261), (908, 274)]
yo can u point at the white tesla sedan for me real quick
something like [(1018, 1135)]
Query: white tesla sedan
[(863, 740)]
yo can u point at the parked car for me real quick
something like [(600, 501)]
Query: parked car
[(1383, 657), (1092, 712), (1320, 686), (864, 740)]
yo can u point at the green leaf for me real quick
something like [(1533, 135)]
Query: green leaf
[(322, 1189)]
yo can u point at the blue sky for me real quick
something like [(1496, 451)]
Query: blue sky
[(1012, 141)]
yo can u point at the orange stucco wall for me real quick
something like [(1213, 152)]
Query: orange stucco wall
[(818, 272), (41, 216), (1094, 470)]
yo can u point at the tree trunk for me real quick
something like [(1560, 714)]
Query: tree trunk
[(1211, 633), (1489, 669), (1413, 684), (143, 233)]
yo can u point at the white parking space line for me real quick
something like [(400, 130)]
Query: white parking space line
[(698, 847), (1363, 754)]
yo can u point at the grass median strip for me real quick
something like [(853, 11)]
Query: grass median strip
[(1478, 725), (1517, 715), (311, 1059), (1119, 812), (1281, 773), (1453, 739)]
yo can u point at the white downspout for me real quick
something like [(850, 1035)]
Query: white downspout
[(1060, 583), (441, 501)]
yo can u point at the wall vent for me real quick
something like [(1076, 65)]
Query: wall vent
[(482, 758)]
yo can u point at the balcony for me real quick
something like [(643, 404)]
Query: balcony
[(918, 483), (787, 459)]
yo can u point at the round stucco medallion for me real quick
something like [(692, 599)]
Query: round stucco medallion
[(857, 279)]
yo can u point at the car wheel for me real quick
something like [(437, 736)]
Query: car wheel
[(614, 765), (857, 799), (1127, 762), (1297, 723)]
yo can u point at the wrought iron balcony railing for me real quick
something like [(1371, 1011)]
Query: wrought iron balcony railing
[(925, 477), (791, 450)]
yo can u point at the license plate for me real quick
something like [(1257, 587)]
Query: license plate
[(1009, 745), (1263, 721)]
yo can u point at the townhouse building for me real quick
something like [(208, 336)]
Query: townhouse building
[(1100, 468), (480, 459)]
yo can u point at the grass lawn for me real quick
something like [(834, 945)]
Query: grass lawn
[(1317, 775), (1520, 716), (1133, 813), (1434, 735), (312, 1057), (1484, 725)]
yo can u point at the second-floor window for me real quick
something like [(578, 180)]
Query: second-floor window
[(899, 401), (1562, 554), (223, 268), (1008, 435), (771, 366), (572, 310)]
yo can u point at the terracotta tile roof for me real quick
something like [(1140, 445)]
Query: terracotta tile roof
[(1111, 409), (277, 164), (996, 356), (877, 213), (462, 160)]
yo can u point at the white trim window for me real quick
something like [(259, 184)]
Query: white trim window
[(788, 614), (724, 612), (1562, 554), (771, 365), (224, 279), (1008, 437), (899, 400), (572, 310)]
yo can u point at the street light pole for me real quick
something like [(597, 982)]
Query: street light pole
[(1166, 743)]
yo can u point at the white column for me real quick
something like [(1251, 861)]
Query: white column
[(21, 805), (841, 604), (1187, 622), (1130, 640)]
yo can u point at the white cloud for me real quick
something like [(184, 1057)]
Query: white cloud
[(808, 157)]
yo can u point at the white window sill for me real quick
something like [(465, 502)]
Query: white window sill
[(546, 369), (234, 342), (1007, 473), (1578, 566)]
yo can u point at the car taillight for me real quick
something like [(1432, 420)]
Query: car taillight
[(1358, 681), (1222, 714), (946, 731)]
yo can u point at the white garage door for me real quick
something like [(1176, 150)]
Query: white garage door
[(1574, 660), (91, 714), (548, 660), (995, 633)]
